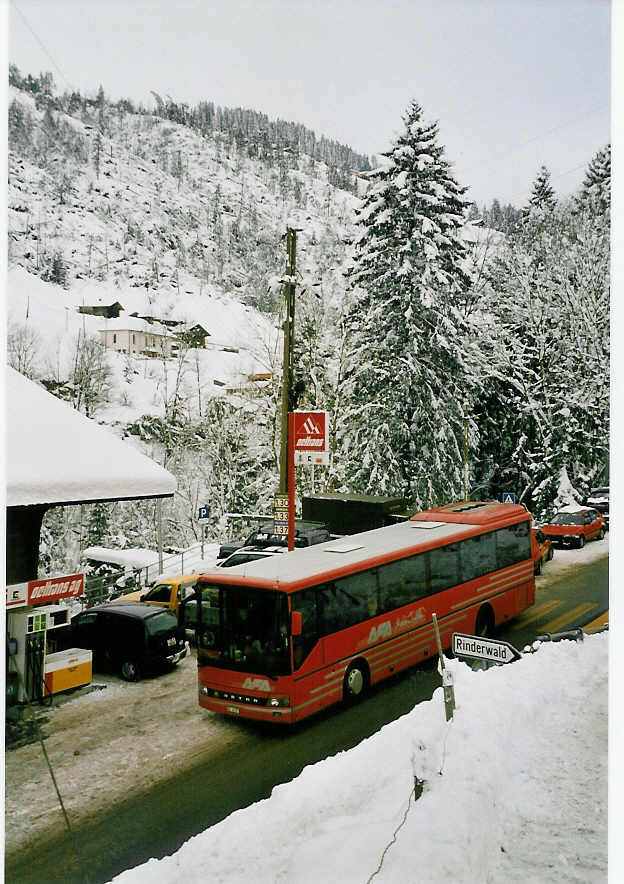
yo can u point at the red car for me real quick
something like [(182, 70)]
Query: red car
[(574, 525), (541, 548)]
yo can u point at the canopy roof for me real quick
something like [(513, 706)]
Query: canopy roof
[(55, 455)]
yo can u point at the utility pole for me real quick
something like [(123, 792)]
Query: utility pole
[(289, 342), (466, 490)]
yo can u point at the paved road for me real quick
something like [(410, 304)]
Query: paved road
[(158, 822)]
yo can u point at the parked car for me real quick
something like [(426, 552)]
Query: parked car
[(541, 548), (169, 592), (249, 554), (129, 636), (306, 534), (574, 525), (599, 500)]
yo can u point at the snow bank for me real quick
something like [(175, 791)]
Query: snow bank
[(515, 791)]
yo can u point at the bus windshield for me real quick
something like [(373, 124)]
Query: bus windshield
[(245, 628)]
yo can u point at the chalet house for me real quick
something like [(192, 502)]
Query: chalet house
[(109, 311), (194, 336), (136, 336)]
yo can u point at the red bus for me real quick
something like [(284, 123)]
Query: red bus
[(280, 638)]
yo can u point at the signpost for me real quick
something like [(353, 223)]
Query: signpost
[(202, 518), (311, 437), (308, 442), (489, 649)]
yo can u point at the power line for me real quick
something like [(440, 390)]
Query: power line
[(39, 41), (513, 148)]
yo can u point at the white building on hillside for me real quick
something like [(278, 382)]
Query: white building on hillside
[(130, 335)]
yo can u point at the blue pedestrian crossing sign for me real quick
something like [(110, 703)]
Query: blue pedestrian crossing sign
[(509, 497)]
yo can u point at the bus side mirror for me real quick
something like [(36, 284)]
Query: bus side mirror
[(296, 623)]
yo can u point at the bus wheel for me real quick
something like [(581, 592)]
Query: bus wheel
[(355, 682), (485, 622)]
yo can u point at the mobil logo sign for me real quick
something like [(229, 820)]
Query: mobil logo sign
[(311, 437)]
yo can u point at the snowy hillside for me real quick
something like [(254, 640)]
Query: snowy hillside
[(111, 206)]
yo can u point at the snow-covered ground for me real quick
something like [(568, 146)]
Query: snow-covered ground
[(515, 790)]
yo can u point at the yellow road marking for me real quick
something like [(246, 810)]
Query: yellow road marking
[(569, 617), (598, 622), (535, 613)]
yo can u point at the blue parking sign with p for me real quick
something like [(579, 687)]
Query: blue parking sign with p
[(203, 512), (508, 497)]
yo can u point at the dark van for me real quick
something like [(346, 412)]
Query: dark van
[(129, 636)]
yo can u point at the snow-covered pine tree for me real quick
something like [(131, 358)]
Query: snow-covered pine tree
[(595, 191), (403, 424), (545, 405), (542, 198)]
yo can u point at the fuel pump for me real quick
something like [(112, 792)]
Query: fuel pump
[(36, 660)]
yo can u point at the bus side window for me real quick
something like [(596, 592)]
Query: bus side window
[(513, 544), (349, 600), (444, 565), (402, 582), (478, 556), (305, 601)]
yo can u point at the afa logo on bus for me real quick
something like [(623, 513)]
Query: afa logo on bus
[(384, 630), (256, 684)]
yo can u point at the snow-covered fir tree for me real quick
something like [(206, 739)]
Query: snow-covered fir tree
[(596, 188), (542, 198), (545, 402), (404, 384)]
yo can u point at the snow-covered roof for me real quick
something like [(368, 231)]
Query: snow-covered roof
[(133, 323), (137, 557), (55, 455)]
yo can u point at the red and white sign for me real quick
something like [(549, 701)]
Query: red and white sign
[(49, 589), (311, 437)]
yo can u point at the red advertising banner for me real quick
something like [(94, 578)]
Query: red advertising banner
[(44, 591)]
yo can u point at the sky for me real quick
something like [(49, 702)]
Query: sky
[(515, 790), (514, 84)]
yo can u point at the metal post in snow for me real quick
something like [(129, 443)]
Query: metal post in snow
[(160, 544), (447, 675)]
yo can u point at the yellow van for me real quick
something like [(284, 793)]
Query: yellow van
[(166, 593)]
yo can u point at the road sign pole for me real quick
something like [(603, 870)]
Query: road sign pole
[(447, 675)]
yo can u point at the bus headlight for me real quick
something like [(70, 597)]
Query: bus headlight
[(279, 701)]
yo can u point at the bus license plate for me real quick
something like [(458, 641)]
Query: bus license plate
[(233, 709)]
